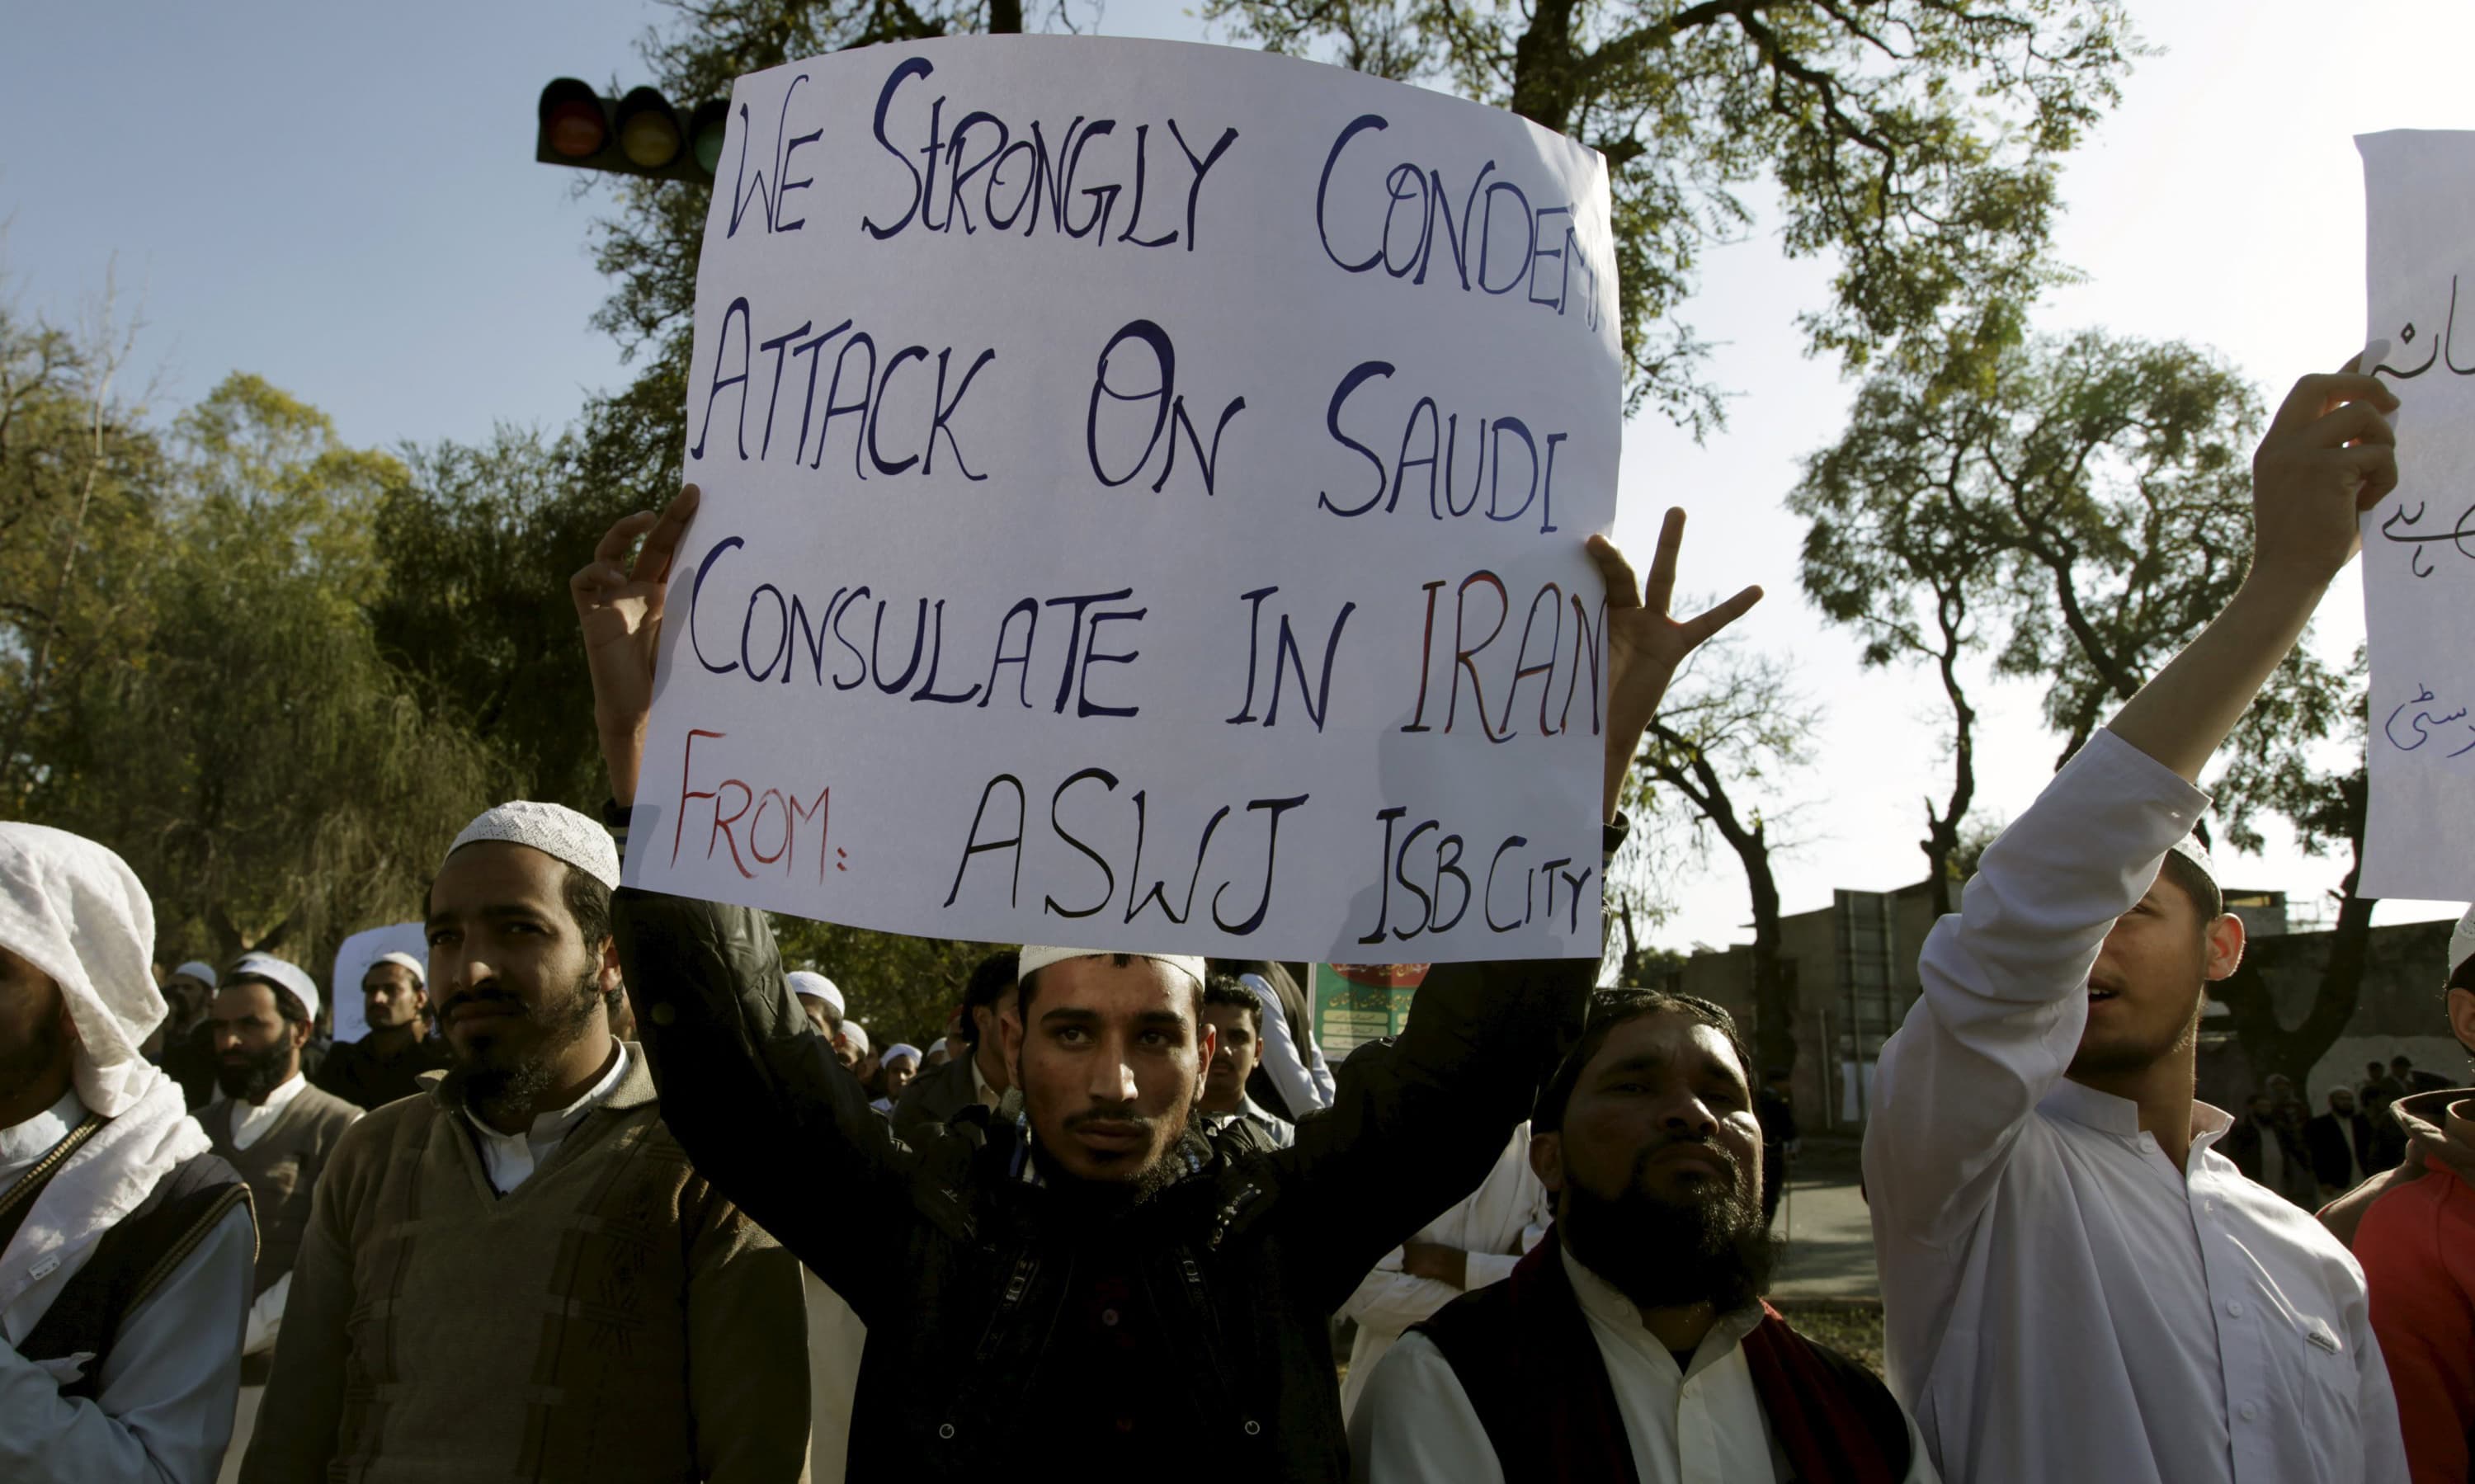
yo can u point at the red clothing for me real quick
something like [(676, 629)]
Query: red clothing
[(2415, 1237)]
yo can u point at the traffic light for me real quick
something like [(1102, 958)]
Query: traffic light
[(638, 135)]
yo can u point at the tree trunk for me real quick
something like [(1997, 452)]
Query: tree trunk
[(1005, 17), (2270, 1046), (1543, 67), (1773, 999)]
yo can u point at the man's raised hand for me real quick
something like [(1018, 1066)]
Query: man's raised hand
[(1645, 644), (618, 606), (2328, 456)]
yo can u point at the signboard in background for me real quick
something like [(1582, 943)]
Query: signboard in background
[(2419, 543), (354, 960), (1356, 1002), (1145, 488)]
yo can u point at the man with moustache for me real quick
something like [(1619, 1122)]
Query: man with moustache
[(270, 1125), (517, 1274), (2077, 1284), (1236, 1020), (1101, 1277), (1632, 1345), (125, 1244), (386, 1064), (976, 1073)]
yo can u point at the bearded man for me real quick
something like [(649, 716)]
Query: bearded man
[(1632, 1345), (2077, 1285), (386, 1062), (125, 1244), (1101, 1279), (517, 1275), (270, 1124)]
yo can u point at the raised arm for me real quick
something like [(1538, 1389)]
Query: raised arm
[(2005, 978), (1414, 1125), (742, 1075)]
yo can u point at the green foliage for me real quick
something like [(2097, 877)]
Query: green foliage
[(901, 989), (242, 743), (1916, 143), (2091, 496), (480, 542)]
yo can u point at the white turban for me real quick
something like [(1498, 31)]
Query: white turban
[(419, 970), (2190, 848), (898, 1050), (76, 911), (277, 971), (554, 830), (816, 987), (1034, 958), (199, 971), (855, 1036), (2461, 942)]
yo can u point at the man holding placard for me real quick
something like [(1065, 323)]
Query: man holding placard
[(1101, 1277), (2077, 1284)]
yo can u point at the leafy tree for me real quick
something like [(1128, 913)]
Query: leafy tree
[(252, 756), (901, 989), (1722, 745), (2090, 497), (478, 540), (79, 476), (2281, 771), (1915, 143), (1878, 559)]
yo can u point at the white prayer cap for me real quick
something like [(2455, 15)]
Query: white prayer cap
[(198, 969), (934, 1047), (2462, 943), (554, 830), (2190, 848), (78, 913), (275, 971), (419, 970), (898, 1051), (855, 1036), (1034, 958), (816, 987)]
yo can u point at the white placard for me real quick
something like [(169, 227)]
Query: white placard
[(1145, 493), (2419, 543)]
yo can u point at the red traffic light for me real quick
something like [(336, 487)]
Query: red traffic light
[(573, 124), (639, 134)]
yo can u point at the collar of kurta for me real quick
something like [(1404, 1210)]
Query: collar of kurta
[(635, 1087), (2107, 1113)]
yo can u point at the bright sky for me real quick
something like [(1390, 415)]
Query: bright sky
[(343, 200)]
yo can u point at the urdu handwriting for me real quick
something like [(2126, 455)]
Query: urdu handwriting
[(2420, 725), (2400, 528)]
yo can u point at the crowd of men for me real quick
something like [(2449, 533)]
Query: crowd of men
[(608, 1193)]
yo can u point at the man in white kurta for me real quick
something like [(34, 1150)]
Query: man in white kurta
[(1490, 1227), (1648, 1141), (1698, 1421), (76, 1003), (2077, 1285)]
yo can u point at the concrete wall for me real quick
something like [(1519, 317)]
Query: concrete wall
[(2397, 1010)]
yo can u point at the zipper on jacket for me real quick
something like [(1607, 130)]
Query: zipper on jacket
[(1017, 1283), (1202, 1300)]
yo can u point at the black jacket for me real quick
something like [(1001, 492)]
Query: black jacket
[(976, 1285), (2328, 1138), (937, 1097)]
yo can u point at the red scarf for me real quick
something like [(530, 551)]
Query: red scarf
[(1526, 1358)]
